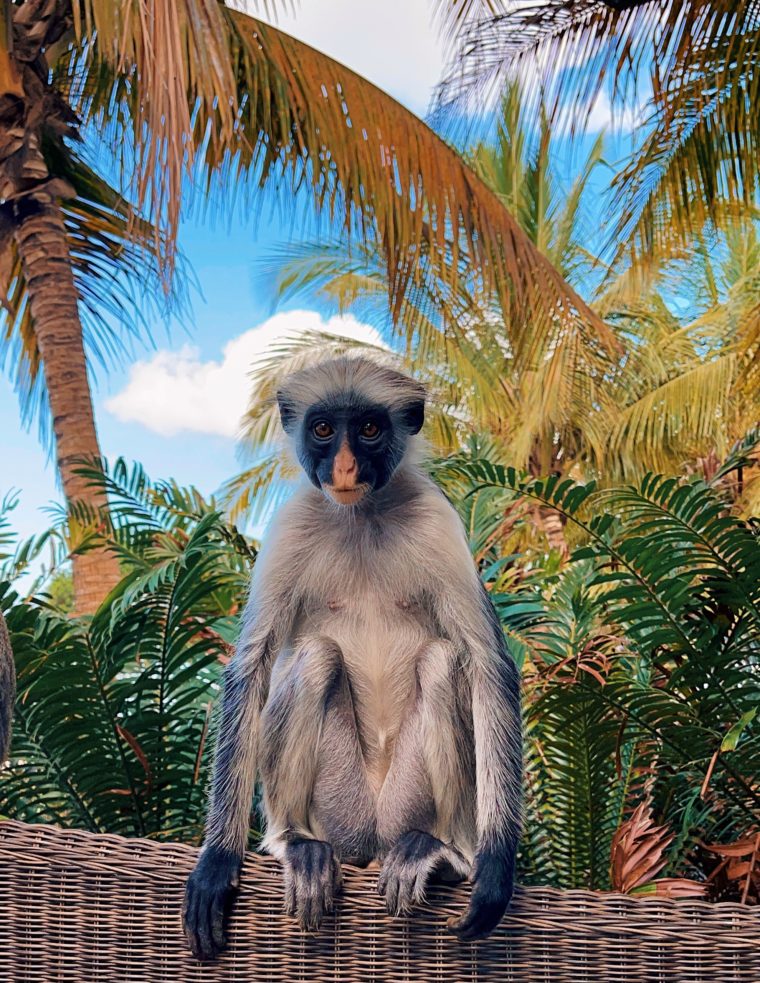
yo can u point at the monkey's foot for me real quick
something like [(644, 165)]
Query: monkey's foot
[(410, 866), (312, 879)]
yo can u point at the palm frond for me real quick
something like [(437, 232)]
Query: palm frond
[(258, 102), (111, 249), (675, 419), (694, 62)]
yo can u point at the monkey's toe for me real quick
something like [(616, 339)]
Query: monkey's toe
[(409, 866), (402, 889), (312, 879)]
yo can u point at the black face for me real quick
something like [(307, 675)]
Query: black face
[(349, 447)]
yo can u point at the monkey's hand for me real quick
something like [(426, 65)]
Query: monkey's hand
[(493, 880), (312, 879), (210, 891)]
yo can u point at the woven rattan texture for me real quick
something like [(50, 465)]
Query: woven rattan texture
[(78, 907)]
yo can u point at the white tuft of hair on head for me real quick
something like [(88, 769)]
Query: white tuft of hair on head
[(358, 374)]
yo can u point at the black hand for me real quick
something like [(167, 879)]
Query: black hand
[(493, 883), (210, 891)]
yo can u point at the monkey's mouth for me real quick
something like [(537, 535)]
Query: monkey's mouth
[(347, 496)]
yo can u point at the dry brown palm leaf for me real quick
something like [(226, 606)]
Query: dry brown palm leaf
[(371, 160), (739, 869), (638, 854)]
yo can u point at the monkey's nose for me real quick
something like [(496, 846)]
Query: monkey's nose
[(345, 468)]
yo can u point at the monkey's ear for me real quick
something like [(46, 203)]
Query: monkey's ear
[(414, 416), (287, 412)]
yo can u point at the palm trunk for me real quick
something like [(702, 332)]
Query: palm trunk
[(550, 523), (46, 261)]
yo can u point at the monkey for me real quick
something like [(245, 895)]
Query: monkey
[(372, 689), (7, 689)]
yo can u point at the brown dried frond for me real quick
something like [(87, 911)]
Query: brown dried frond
[(738, 873), (638, 854), (369, 160)]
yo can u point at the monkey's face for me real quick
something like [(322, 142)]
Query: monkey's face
[(349, 447)]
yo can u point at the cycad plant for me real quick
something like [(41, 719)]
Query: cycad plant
[(113, 723), (640, 659), (641, 663)]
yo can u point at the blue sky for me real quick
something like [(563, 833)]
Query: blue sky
[(175, 406)]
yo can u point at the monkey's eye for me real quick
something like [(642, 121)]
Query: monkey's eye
[(370, 430), (322, 430)]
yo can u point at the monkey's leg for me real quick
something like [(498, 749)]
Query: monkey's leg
[(317, 798), (423, 793)]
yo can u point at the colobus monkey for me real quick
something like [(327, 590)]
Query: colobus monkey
[(7, 689), (371, 689)]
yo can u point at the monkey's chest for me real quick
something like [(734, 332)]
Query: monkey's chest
[(379, 640)]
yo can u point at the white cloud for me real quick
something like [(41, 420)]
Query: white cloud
[(176, 391), (604, 117), (393, 43)]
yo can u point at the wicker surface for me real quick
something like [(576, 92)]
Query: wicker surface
[(77, 907)]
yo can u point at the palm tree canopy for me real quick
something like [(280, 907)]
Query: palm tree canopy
[(679, 390), (196, 92), (696, 63), (526, 382), (214, 93)]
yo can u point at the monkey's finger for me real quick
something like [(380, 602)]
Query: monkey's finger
[(218, 918), (387, 871), (463, 926), (189, 922), (391, 894), (206, 946), (311, 908), (193, 929), (406, 892), (304, 893), (337, 884), (419, 887)]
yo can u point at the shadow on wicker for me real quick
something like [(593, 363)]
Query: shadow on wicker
[(84, 908)]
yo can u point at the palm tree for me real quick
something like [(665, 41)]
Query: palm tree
[(530, 384), (677, 390), (196, 92), (688, 388), (690, 69)]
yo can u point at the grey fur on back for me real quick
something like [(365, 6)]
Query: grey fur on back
[(7, 689)]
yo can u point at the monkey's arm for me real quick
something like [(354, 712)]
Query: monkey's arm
[(470, 617), (267, 621)]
